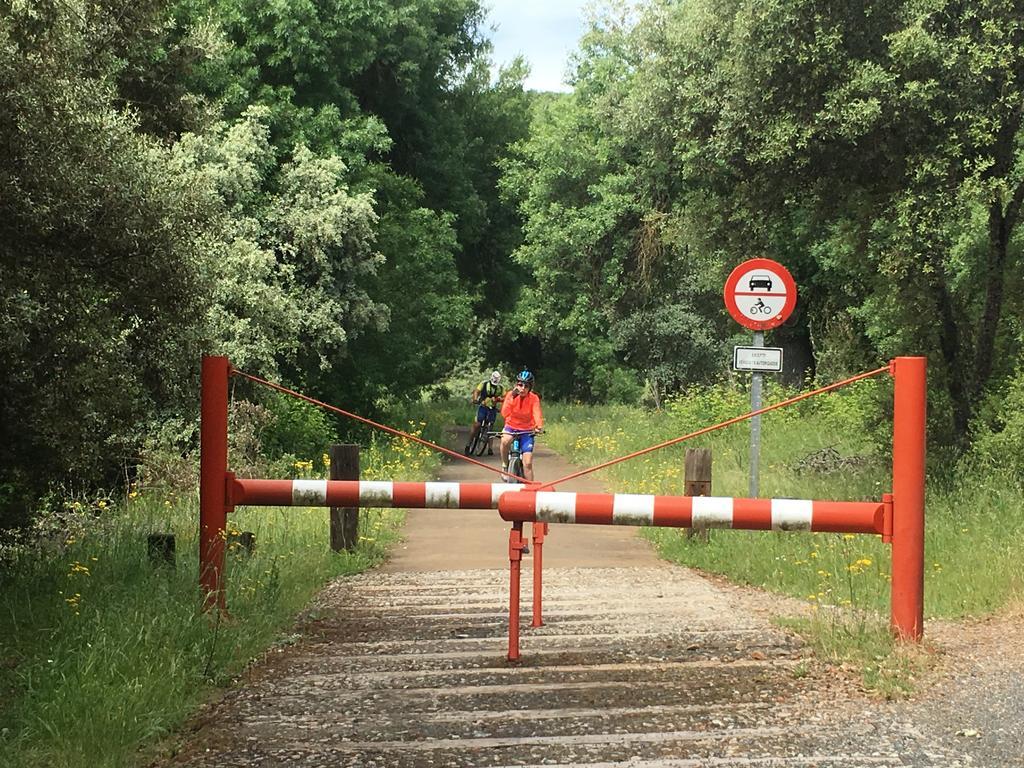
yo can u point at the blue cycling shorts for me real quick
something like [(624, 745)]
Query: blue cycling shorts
[(486, 415), (525, 439)]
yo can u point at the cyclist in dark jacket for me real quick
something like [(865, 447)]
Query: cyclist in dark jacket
[(487, 397)]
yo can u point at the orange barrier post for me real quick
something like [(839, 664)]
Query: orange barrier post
[(908, 482), (539, 530), (213, 468), (516, 542)]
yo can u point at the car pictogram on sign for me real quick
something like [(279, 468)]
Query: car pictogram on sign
[(761, 281)]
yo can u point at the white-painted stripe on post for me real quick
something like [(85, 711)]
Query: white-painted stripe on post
[(633, 509), (442, 495), (792, 514), (712, 512), (556, 507), (311, 492), (376, 493), (499, 488)]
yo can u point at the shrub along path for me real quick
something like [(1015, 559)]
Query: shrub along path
[(640, 664)]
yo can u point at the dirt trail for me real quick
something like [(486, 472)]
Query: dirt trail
[(640, 665)]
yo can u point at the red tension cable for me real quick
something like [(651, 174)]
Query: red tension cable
[(704, 431)]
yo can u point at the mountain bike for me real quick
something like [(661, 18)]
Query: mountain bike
[(515, 454)]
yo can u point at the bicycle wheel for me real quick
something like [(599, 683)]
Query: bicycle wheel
[(515, 469), (483, 440), (474, 445)]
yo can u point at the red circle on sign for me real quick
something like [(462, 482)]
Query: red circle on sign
[(760, 294)]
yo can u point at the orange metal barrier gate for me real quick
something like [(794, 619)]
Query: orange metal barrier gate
[(898, 517)]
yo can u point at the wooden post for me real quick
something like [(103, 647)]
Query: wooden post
[(244, 539), (344, 520), (160, 548), (697, 482)]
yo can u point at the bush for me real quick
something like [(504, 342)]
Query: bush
[(998, 445), (296, 428)]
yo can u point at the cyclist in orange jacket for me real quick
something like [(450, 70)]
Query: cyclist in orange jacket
[(523, 416)]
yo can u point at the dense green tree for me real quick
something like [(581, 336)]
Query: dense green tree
[(298, 249), (872, 147), (309, 188), (331, 73), (875, 144), (492, 115), (613, 275), (101, 251), (428, 311)]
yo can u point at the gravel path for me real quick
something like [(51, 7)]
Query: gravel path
[(976, 697)]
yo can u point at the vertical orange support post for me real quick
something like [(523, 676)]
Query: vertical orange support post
[(213, 467), (515, 557), (539, 529), (908, 482)]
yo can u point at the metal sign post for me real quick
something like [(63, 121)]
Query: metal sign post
[(755, 423), (760, 294)]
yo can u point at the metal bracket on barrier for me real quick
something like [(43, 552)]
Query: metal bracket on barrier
[(887, 518), (229, 491), (516, 544)]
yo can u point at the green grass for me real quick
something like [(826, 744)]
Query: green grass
[(974, 539), (864, 646), (103, 653)]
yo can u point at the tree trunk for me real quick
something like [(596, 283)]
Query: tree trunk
[(655, 395), (995, 272), (952, 355)]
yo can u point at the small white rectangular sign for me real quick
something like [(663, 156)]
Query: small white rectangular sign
[(757, 359)]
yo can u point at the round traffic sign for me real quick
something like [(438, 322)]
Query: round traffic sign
[(760, 294)]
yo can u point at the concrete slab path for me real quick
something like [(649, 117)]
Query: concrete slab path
[(640, 665)]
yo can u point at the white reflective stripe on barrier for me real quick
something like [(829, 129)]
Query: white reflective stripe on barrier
[(556, 507), (633, 509), (499, 488), (442, 495), (792, 514), (379, 493), (712, 512), (312, 492)]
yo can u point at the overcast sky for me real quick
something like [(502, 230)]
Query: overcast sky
[(545, 32)]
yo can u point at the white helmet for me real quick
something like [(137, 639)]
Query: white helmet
[(495, 377)]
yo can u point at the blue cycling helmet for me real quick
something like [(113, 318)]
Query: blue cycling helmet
[(525, 376)]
